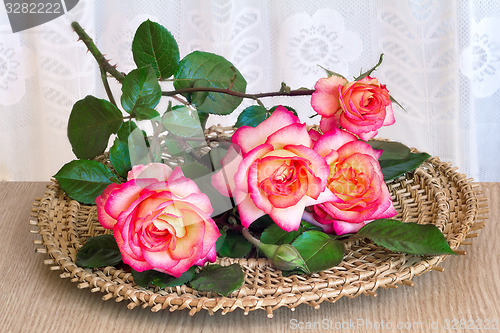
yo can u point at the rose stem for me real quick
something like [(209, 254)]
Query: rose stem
[(119, 76), (104, 79), (99, 57), (246, 233), (298, 92)]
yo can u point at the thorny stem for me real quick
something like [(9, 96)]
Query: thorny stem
[(106, 67), (297, 92), (99, 57)]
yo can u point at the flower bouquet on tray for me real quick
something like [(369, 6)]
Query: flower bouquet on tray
[(173, 197)]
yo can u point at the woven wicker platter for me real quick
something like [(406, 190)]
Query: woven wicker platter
[(434, 193)]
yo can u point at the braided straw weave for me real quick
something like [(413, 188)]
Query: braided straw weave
[(434, 193)]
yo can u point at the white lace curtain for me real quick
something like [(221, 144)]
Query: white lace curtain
[(442, 63)]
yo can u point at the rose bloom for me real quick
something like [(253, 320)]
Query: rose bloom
[(272, 169), (361, 107), (356, 178), (160, 220)]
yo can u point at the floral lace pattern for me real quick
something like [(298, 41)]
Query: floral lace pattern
[(223, 28), (308, 42), (420, 58), (481, 58), (14, 68)]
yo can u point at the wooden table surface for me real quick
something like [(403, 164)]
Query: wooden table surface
[(34, 298)]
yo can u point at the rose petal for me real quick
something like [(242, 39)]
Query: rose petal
[(193, 239), (389, 116), (332, 140), (289, 218), (367, 135), (128, 256), (247, 210), (223, 180), (161, 261), (247, 138), (241, 176), (211, 256), (211, 235), (357, 147), (317, 164), (328, 124), (314, 134), (294, 134), (325, 99), (120, 200), (158, 171), (103, 217), (341, 227)]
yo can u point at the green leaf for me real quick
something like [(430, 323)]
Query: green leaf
[(154, 45), (125, 129), (220, 240), (199, 97), (218, 73), (394, 168), (319, 250), (330, 73), (252, 116), (146, 114), (138, 147), (220, 279), (275, 235), (140, 89), (308, 226), (120, 157), (255, 114), (194, 170), (391, 150), (173, 146), (162, 280), (397, 103), (203, 116), (99, 251), (84, 180), (183, 122), (371, 70), (263, 222), (235, 245), (396, 158), (411, 238), (91, 123)]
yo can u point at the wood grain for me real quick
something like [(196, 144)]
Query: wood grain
[(35, 299)]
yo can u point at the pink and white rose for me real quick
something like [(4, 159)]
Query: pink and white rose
[(356, 179), (160, 220), (273, 169), (361, 107)]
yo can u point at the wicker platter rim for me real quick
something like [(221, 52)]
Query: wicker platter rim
[(311, 290)]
